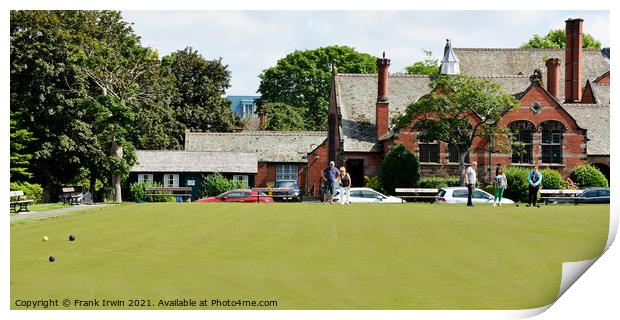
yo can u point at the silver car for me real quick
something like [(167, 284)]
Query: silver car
[(367, 195), (459, 195)]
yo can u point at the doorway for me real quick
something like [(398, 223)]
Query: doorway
[(355, 168)]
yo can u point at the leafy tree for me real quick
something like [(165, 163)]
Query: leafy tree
[(556, 39), (18, 159), (456, 111), (200, 84), (282, 117), (302, 79), (429, 65), (399, 169)]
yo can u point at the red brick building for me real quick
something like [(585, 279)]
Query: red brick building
[(281, 155), (562, 120)]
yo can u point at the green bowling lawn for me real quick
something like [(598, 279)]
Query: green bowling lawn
[(304, 256)]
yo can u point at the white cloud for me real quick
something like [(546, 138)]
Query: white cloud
[(250, 41)]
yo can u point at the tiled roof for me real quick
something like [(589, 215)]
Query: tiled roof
[(511, 62), (594, 118), (193, 161), (357, 96), (270, 146), (601, 92)]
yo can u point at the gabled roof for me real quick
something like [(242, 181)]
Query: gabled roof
[(601, 93), (356, 97), (270, 146), (192, 161), (595, 118), (514, 61)]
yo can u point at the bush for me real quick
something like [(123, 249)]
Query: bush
[(31, 190), (138, 190), (439, 182), (215, 184), (517, 184), (400, 169), (373, 183), (490, 189), (586, 175), (552, 179)]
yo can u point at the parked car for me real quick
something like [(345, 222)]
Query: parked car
[(459, 195), (238, 195), (288, 196), (367, 195), (592, 195)]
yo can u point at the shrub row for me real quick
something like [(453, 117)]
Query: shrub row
[(215, 184)]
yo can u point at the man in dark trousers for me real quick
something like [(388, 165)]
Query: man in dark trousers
[(534, 178), (329, 175), (470, 181)]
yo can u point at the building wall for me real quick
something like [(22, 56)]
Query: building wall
[(236, 102), (313, 171)]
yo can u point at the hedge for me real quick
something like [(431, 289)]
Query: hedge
[(215, 184), (586, 175), (439, 182), (552, 179), (517, 184), (374, 183)]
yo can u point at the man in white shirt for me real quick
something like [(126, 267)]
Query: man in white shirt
[(470, 181)]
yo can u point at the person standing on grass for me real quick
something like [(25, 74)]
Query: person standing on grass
[(501, 183), (344, 180), (470, 181), (534, 178), (330, 174)]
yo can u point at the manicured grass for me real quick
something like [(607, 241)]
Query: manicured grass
[(46, 206), (309, 256)]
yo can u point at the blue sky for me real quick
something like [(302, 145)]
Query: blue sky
[(251, 41)]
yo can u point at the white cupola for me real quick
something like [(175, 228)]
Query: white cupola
[(449, 63)]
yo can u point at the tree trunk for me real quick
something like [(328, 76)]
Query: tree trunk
[(93, 182), (462, 155), (116, 150)]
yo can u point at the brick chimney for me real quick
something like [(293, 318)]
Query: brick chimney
[(573, 57), (553, 77), (383, 106)]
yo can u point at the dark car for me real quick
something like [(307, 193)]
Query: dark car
[(287, 196), (238, 195), (594, 195)]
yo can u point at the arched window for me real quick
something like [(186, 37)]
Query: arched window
[(551, 143), (522, 132)]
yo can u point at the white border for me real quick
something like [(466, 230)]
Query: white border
[(594, 295)]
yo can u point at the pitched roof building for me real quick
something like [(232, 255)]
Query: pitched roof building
[(572, 111)]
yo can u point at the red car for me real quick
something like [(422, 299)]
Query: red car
[(238, 195)]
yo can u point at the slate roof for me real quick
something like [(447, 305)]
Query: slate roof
[(601, 93), (195, 161), (270, 146), (357, 96), (594, 118), (512, 61)]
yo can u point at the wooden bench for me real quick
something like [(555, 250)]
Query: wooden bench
[(23, 204), (558, 194), (157, 192), (70, 196), (288, 191), (417, 193)]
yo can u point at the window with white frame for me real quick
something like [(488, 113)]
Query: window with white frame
[(241, 178), (248, 110), (171, 180), (286, 172), (145, 177)]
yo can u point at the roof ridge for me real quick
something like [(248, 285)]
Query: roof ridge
[(259, 133), (523, 49), (407, 75)]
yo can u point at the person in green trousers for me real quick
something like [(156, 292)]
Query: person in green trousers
[(500, 183)]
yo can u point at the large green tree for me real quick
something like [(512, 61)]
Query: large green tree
[(556, 39), (429, 65), (200, 85), (19, 160), (282, 117), (458, 110), (302, 79)]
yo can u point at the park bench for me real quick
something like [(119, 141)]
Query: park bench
[(557, 194), (70, 196), (23, 204), (183, 192), (274, 192), (426, 194)]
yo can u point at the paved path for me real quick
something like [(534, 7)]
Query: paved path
[(39, 214)]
